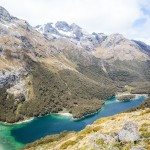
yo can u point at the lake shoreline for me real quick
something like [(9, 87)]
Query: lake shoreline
[(19, 122), (69, 115), (57, 123), (65, 114), (89, 114)]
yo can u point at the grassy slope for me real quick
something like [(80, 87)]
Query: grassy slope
[(89, 139)]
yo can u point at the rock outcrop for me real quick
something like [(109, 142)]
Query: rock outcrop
[(129, 132), (4, 15), (12, 77)]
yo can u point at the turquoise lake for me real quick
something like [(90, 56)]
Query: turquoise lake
[(14, 137)]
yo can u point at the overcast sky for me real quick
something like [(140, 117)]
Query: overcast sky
[(128, 17)]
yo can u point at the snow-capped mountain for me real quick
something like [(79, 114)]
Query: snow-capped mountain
[(73, 32), (114, 46)]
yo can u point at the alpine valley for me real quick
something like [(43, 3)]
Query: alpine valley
[(61, 68)]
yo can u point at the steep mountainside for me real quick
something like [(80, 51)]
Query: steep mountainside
[(116, 47), (125, 131), (48, 71)]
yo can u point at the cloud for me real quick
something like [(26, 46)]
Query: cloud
[(129, 17)]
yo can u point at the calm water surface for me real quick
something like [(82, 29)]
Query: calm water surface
[(14, 137)]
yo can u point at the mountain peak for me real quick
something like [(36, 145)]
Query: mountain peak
[(62, 25), (114, 39), (4, 15), (117, 36), (74, 26), (47, 29)]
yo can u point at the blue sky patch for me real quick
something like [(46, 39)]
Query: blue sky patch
[(146, 10), (139, 22)]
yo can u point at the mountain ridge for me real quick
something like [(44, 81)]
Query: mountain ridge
[(84, 39)]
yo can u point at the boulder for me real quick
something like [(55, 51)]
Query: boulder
[(129, 132), (137, 148)]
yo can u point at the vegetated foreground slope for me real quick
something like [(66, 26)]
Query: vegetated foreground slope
[(123, 131), (39, 75)]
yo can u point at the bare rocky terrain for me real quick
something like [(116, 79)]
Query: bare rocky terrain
[(46, 69)]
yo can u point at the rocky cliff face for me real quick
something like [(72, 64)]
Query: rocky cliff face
[(129, 131), (56, 67), (4, 15)]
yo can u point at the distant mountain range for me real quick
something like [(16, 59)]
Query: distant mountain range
[(56, 67), (73, 32), (108, 44)]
